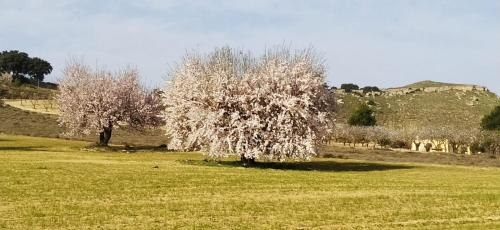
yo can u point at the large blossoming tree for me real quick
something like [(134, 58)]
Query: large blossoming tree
[(96, 101), (230, 103)]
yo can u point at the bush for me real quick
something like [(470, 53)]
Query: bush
[(362, 116), (400, 145), (492, 120), (349, 87), (18, 82), (367, 89)]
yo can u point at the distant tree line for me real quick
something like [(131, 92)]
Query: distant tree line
[(459, 139), (362, 129), (349, 87), (22, 67)]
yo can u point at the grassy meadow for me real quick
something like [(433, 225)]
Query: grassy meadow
[(59, 184)]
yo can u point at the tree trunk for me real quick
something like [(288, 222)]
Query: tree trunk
[(105, 135), (417, 146), (247, 160)]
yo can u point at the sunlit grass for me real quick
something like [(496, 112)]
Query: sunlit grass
[(54, 184)]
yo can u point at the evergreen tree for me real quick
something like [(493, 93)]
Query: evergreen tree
[(362, 116), (492, 120)]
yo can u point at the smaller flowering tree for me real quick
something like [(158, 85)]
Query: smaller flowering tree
[(97, 101)]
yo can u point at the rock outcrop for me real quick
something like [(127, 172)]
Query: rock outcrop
[(409, 90)]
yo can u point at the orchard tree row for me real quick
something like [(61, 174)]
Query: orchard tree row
[(458, 139)]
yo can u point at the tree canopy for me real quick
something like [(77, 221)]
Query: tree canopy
[(367, 89), (362, 116), (38, 68), (274, 106), (97, 101), (20, 65), (492, 120), (348, 87)]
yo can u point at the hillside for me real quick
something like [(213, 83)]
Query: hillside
[(22, 122), (424, 104), (445, 104), (39, 106), (428, 83), (23, 117), (9, 91)]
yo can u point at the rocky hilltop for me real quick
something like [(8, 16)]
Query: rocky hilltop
[(423, 86), (420, 104)]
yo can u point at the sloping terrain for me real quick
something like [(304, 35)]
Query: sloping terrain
[(21, 122), (39, 106), (22, 119), (8, 91), (423, 109), (416, 109), (428, 83)]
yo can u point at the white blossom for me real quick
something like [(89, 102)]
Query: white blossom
[(230, 103)]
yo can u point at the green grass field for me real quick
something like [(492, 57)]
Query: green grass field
[(54, 184)]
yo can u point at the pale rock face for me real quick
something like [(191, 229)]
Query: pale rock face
[(374, 93), (404, 91), (230, 103)]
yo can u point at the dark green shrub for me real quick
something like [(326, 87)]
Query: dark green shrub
[(17, 83), (362, 116), (492, 120), (367, 89), (349, 87)]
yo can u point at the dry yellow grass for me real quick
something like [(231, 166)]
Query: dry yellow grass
[(54, 184), (39, 106)]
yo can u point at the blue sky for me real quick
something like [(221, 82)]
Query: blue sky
[(377, 42)]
